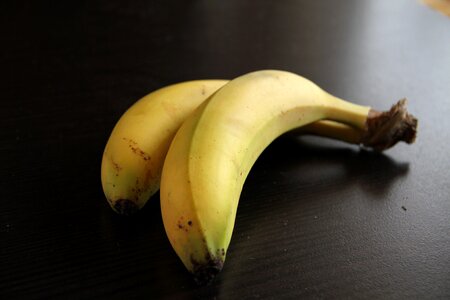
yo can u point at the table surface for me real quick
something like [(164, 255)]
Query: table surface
[(317, 218)]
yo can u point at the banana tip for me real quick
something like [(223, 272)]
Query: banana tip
[(125, 207), (204, 273)]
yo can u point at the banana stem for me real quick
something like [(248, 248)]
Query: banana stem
[(385, 129), (380, 130), (333, 130)]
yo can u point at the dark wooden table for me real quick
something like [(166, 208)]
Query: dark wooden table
[(317, 218)]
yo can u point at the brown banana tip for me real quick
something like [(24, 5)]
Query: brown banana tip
[(385, 129), (204, 273), (125, 207)]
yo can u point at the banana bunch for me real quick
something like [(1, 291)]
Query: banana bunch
[(134, 154), (198, 141)]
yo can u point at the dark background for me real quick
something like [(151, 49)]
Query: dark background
[(316, 219)]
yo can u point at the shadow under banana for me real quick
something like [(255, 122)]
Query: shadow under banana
[(321, 162)]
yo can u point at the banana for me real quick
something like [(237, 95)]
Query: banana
[(215, 148), (334, 130), (134, 154)]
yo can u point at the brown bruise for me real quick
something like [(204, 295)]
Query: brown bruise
[(137, 190), (182, 225), (116, 167), (136, 150)]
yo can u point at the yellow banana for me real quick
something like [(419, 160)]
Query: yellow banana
[(134, 154), (215, 148), (334, 130)]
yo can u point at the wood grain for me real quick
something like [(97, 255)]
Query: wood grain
[(317, 219)]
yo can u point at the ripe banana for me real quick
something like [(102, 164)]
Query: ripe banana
[(134, 154), (215, 148)]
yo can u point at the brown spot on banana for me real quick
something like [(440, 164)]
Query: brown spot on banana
[(134, 147), (183, 226), (116, 166)]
